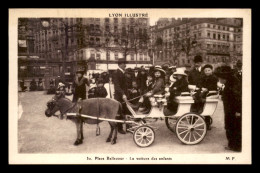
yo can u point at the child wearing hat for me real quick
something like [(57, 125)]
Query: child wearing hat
[(157, 87), (181, 85), (208, 82)]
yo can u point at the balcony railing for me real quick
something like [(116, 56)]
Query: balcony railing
[(218, 51), (95, 33)]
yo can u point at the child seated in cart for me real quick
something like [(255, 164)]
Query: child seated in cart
[(208, 82), (181, 85), (133, 93), (157, 87)]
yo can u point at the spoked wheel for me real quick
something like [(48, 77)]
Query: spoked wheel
[(191, 128), (171, 123), (144, 136)]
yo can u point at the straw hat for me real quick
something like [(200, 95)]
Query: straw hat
[(180, 71), (159, 68)]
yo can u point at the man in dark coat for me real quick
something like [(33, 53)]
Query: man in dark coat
[(136, 75), (232, 101), (142, 81), (120, 88), (238, 71), (79, 86), (33, 85), (128, 78), (195, 73)]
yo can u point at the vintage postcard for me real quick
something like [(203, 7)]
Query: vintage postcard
[(130, 86)]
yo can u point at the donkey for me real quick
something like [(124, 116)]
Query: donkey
[(96, 107)]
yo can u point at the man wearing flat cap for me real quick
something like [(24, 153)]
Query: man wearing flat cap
[(120, 88)]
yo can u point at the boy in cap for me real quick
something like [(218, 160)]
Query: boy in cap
[(207, 83)]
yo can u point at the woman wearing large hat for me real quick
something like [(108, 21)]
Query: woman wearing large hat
[(232, 102), (79, 85), (157, 88)]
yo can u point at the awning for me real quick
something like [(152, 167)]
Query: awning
[(22, 43), (28, 57), (23, 67)]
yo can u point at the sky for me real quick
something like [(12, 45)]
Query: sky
[(153, 20)]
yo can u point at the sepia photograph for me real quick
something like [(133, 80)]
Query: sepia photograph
[(130, 86)]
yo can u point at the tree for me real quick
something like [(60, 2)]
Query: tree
[(182, 41)]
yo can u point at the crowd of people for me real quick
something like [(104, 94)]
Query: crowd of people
[(34, 86), (138, 85), (130, 84)]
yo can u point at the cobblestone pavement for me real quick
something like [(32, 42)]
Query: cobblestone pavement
[(39, 134)]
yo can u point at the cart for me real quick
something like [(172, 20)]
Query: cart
[(190, 127)]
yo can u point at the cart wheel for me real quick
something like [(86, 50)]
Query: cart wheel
[(191, 128), (171, 123), (144, 136)]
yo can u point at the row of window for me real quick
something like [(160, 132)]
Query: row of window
[(214, 46), (214, 26), (97, 56), (218, 36)]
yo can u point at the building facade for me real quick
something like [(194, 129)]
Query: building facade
[(103, 38), (217, 40), (50, 47)]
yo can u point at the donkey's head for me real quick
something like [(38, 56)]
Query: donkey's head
[(52, 107)]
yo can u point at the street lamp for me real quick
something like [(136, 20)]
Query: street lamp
[(45, 23)]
